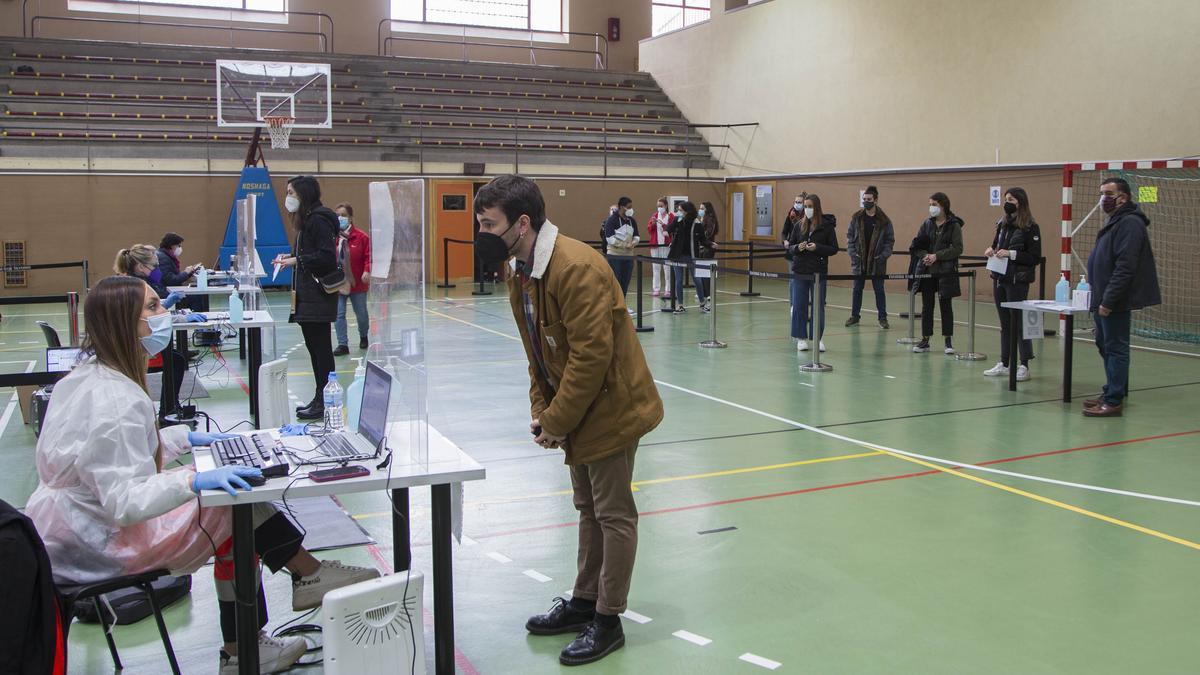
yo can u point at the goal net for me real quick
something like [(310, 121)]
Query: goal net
[(1171, 199)]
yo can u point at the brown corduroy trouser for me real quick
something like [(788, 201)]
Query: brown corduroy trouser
[(608, 521)]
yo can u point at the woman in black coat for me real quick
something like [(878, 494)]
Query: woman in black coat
[(1018, 240), (314, 256), (943, 232), (688, 242), (808, 246)]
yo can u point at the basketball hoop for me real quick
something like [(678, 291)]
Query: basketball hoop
[(280, 128)]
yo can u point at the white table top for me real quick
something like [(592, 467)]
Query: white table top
[(256, 319), (447, 464), (212, 290), (1048, 306)]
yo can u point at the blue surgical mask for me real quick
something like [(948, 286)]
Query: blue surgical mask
[(160, 333), (700, 213), (344, 223), (155, 275)]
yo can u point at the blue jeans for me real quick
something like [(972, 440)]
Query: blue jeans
[(801, 292), (677, 282), (622, 267), (1112, 339), (880, 298), (359, 301)]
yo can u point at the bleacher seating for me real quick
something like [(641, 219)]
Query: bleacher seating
[(62, 97)]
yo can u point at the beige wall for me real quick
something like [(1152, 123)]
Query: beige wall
[(863, 84), (62, 218), (356, 23)]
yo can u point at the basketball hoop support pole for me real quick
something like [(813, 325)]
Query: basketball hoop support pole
[(254, 153)]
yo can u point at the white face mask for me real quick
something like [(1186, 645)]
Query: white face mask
[(292, 203), (178, 251), (662, 210), (628, 213), (679, 215), (700, 213), (808, 212), (935, 211)]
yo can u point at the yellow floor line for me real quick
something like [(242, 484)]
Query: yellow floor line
[(1045, 500), (659, 481)]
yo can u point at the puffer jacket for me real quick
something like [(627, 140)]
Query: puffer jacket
[(946, 243), (316, 256), (824, 235), (1121, 267), (1028, 246)]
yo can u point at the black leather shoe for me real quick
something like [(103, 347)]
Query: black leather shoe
[(341, 350), (315, 411), (562, 618), (593, 644), (315, 401), (362, 343)]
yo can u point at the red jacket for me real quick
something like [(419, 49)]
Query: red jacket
[(658, 235), (360, 257)]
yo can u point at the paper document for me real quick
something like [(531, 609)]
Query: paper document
[(997, 264), (276, 272), (623, 233)]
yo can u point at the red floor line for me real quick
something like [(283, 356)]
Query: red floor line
[(242, 383), (821, 488)]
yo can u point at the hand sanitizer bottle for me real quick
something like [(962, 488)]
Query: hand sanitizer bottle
[(235, 308), (1062, 290), (1082, 299), (202, 278)]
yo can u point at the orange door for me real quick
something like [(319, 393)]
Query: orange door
[(454, 219)]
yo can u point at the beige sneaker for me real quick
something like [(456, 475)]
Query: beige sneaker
[(307, 592), (275, 655)]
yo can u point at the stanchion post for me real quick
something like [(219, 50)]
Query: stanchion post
[(911, 339), (73, 317), (971, 354), (445, 264), (640, 328), (815, 366), (87, 281), (749, 292), (712, 342)]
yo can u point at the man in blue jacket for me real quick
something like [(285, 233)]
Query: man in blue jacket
[(1123, 278)]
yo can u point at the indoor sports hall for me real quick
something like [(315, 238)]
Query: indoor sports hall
[(891, 485)]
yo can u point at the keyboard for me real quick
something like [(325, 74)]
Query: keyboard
[(338, 446), (216, 316), (259, 450)]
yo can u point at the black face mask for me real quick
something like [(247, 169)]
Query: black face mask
[(491, 249), (1010, 208)]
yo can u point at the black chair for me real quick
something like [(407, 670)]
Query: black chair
[(51, 334), (93, 591)]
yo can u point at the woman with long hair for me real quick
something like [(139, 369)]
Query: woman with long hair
[(809, 245), (170, 256), (943, 232), (706, 249), (1018, 240), (313, 256), (354, 247), (105, 504), (660, 245), (683, 231)]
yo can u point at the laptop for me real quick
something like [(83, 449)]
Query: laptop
[(368, 440), (61, 359)]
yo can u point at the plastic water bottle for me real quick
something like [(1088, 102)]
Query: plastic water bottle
[(1062, 291), (1083, 294), (335, 417), (202, 278), (354, 395), (236, 315)]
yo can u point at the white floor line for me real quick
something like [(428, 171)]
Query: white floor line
[(16, 398), (927, 458), (635, 617), (692, 638), (537, 576), (499, 557), (890, 377), (760, 661)]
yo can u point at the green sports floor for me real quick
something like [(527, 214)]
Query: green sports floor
[(778, 526)]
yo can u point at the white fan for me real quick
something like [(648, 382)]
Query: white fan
[(375, 626)]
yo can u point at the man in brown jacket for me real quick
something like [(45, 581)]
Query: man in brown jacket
[(592, 396)]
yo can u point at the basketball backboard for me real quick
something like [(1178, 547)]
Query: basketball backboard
[(250, 91)]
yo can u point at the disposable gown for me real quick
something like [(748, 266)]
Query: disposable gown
[(101, 506)]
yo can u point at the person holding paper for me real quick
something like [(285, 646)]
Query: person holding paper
[(621, 236), (1013, 257), (591, 395), (660, 244)]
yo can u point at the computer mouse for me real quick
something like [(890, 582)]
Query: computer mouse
[(255, 481)]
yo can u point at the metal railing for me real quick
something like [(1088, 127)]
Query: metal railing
[(29, 26), (599, 52)]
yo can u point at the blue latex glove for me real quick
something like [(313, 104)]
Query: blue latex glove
[(172, 299), (196, 318), (227, 478), (292, 430), (201, 438)]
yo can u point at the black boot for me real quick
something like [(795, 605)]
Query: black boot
[(593, 644), (314, 411), (563, 617)]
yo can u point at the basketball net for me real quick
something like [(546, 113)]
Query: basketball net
[(280, 128)]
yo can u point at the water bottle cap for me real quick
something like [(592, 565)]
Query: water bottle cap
[(333, 377)]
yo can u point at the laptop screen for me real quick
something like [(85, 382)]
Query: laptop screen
[(61, 359), (377, 391)]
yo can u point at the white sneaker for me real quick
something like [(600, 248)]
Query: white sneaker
[(274, 655), (1022, 373), (997, 370), (821, 345), (802, 345), (307, 592)]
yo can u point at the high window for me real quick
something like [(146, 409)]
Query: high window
[(539, 15), (669, 15)]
